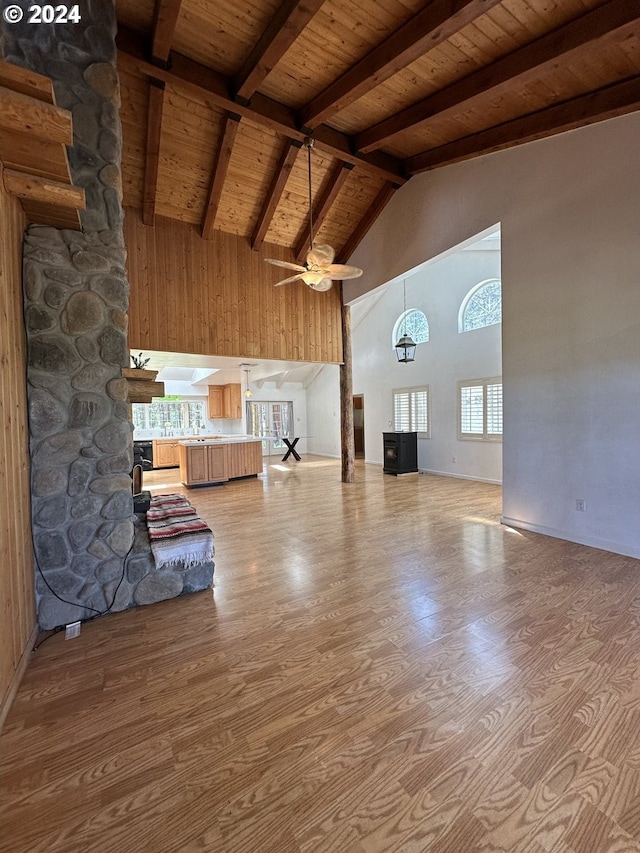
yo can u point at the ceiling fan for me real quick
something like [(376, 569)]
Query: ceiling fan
[(318, 271)]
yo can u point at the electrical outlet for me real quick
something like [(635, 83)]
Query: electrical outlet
[(581, 505), (454, 459), (72, 630)]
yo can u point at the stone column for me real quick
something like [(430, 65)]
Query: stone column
[(76, 301)]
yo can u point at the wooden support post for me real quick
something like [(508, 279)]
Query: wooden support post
[(346, 397)]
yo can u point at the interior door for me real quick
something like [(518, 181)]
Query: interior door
[(358, 425), (269, 421)]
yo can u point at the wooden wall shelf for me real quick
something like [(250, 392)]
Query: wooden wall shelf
[(142, 385), (34, 133)]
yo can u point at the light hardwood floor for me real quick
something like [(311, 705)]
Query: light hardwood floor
[(381, 667)]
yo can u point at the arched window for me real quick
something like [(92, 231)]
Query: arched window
[(416, 325), (482, 306)]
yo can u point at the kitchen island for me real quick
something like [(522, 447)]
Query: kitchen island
[(211, 461)]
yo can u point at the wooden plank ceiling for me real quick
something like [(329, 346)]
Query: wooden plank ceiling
[(217, 98)]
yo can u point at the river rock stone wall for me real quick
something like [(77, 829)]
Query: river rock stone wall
[(76, 299), (91, 550)]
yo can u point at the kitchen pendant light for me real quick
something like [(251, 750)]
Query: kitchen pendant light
[(406, 346), (247, 391)]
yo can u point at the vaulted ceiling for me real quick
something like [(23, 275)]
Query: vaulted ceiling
[(218, 96)]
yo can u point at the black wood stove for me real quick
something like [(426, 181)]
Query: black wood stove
[(400, 452)]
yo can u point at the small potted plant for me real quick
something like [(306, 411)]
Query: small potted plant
[(139, 362)]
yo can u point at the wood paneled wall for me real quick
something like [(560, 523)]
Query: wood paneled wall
[(217, 297), (17, 605)]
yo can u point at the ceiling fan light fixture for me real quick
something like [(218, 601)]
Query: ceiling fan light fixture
[(312, 278), (318, 271)]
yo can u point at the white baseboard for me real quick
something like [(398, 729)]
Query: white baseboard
[(445, 474), (589, 541), (461, 476)]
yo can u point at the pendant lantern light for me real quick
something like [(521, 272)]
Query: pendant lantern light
[(406, 346)]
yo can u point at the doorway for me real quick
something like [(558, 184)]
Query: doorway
[(358, 425), (268, 421)]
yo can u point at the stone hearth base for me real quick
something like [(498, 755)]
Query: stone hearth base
[(144, 584)]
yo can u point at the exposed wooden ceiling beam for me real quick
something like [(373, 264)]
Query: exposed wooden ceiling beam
[(43, 191), (191, 76), (164, 25), (152, 159), (332, 188), (433, 25), (285, 27), (280, 177), (373, 212), (518, 68), (25, 114), (220, 168), (615, 100)]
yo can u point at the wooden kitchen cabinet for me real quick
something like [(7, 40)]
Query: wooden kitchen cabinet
[(232, 398), (219, 462), (205, 464), (244, 459), (194, 468), (194, 465), (225, 401), (166, 454), (216, 402)]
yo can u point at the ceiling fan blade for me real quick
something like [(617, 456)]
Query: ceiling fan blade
[(292, 278), (342, 271), (286, 264), (320, 256)]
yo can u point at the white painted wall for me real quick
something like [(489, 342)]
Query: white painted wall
[(323, 412), (569, 208), (438, 289)]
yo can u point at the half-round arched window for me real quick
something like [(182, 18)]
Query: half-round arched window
[(416, 325), (482, 306)]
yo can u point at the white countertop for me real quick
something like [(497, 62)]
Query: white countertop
[(224, 439)]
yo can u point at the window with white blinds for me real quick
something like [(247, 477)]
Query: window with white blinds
[(480, 408), (494, 408), (411, 410)]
